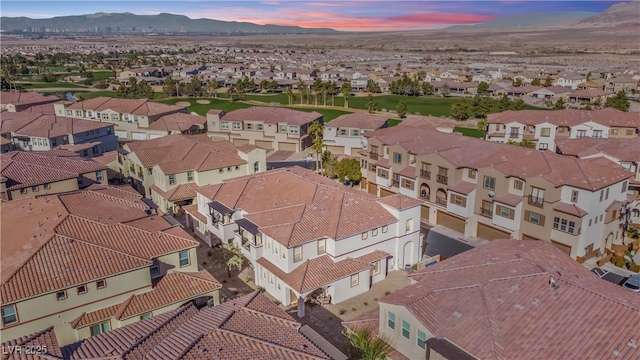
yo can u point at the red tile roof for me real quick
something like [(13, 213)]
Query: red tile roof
[(126, 106), (358, 120), (509, 199), (620, 149), (497, 302), (399, 201), (45, 341), (571, 209), (272, 115), (607, 117), (463, 187)]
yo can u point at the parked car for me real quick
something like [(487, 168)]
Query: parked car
[(633, 283)]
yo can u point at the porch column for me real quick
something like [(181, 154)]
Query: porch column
[(301, 309)]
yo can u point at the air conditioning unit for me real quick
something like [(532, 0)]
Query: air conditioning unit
[(491, 194)]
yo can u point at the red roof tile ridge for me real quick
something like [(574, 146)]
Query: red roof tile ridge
[(304, 274), (269, 344), (91, 243), (118, 314), (492, 325), (268, 316), (198, 275)]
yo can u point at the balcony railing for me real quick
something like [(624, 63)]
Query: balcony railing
[(394, 183), (536, 201), (373, 156), (425, 174), (486, 212), (442, 179), (441, 201)]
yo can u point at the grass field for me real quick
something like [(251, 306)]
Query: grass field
[(45, 85), (108, 93), (477, 133), (201, 109)]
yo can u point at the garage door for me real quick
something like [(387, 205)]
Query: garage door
[(528, 237), (138, 136), (491, 233), (121, 133), (287, 146), (267, 145), (450, 221), (336, 150), (155, 136), (424, 212), (565, 248), (240, 142), (385, 192), (373, 189), (363, 183)]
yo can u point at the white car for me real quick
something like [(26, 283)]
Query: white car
[(633, 283)]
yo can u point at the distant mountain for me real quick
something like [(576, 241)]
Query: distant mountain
[(616, 15), (161, 23), (530, 19)]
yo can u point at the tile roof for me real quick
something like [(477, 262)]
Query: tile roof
[(28, 168), (358, 120), (49, 126), (193, 211), (571, 209), (25, 98), (177, 122), (106, 158), (509, 199), (272, 115), (497, 302), (93, 317), (126, 106), (621, 149), (463, 187), (607, 117), (399, 201), (248, 327), (180, 192), (45, 340)]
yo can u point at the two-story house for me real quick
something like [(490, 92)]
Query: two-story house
[(23, 101), (33, 173), (491, 190), (169, 169), (508, 300), (266, 128), (343, 135), (307, 236), (131, 117), (90, 261), (544, 127)]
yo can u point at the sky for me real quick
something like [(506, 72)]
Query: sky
[(350, 15)]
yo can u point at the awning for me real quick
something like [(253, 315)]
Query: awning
[(150, 203), (122, 151), (447, 349), (440, 244), (247, 225), (221, 208)]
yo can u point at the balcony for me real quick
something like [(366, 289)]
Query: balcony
[(486, 212), (373, 156), (425, 174), (536, 201), (441, 201), (394, 183), (442, 179)]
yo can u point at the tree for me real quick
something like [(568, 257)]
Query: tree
[(481, 106), (536, 82), (504, 104), (348, 168), (427, 89), (559, 105), (212, 86), (524, 143), (368, 346), (329, 164), (316, 130), (401, 109), (290, 95), (346, 93), (548, 81), (482, 124), (620, 101), (373, 86), (518, 82), (236, 259), (372, 105), (170, 87), (460, 110), (519, 105), (483, 88), (445, 90)]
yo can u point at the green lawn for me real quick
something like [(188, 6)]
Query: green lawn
[(477, 133), (201, 109), (45, 85), (329, 114)]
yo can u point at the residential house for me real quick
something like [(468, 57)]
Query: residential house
[(323, 241), (589, 96), (169, 169), (550, 92), (360, 83), (90, 261), (343, 135), (543, 127), (21, 101), (570, 80), (31, 131), (131, 117), (491, 190), (266, 128), (508, 299), (623, 83), (28, 174)]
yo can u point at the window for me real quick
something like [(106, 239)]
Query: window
[(256, 166), (564, 225), (249, 126), (458, 200), (9, 315), (35, 188), (283, 128), (135, 118), (355, 132), (82, 289), (471, 174), (47, 186), (489, 183), (355, 280), (408, 225), (365, 235), (100, 328), (61, 295), (383, 173), (184, 258), (259, 126), (79, 113), (543, 146), (391, 320), (442, 177), (278, 284), (624, 186), (545, 132), (614, 131), (101, 284), (293, 129), (224, 125), (537, 197), (601, 195), (517, 184), (406, 329), (145, 316), (172, 179), (114, 117), (376, 268), (23, 191), (534, 217), (105, 116), (629, 132), (276, 248), (271, 278), (385, 229), (425, 171), (581, 133), (283, 250), (125, 117), (505, 212), (397, 158), (574, 196), (343, 132), (513, 132), (297, 253), (155, 267), (407, 184), (268, 243), (322, 246), (487, 208), (237, 126), (374, 232), (597, 133), (606, 194), (422, 340), (99, 175), (189, 175)]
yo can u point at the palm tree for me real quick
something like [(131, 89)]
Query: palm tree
[(290, 95), (212, 86), (316, 130), (367, 345)]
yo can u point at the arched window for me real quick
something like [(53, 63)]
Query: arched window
[(256, 166), (425, 191), (441, 197)]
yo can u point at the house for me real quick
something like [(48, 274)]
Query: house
[(570, 80), (266, 128), (490, 190), (213, 332), (323, 241), (589, 96), (21, 101), (90, 261), (360, 84), (40, 132), (543, 127), (27, 174), (508, 299), (550, 92), (343, 135), (131, 117), (169, 169), (623, 83)]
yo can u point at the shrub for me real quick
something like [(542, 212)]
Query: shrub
[(353, 309), (277, 302), (366, 303), (387, 293), (261, 289), (342, 311), (209, 253)]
